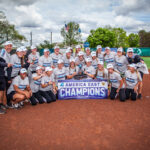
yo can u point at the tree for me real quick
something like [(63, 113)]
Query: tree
[(71, 33), (101, 36), (8, 31), (144, 38), (133, 40), (46, 44)]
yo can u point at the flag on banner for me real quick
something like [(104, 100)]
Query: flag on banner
[(79, 30)]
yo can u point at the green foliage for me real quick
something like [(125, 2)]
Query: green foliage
[(133, 40), (8, 31), (73, 36), (144, 38), (46, 44)]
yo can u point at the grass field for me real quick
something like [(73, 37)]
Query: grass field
[(147, 61)]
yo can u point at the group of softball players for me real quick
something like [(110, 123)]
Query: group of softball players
[(30, 77)]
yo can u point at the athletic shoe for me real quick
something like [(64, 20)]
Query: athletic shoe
[(2, 107), (10, 105), (139, 96), (21, 103), (2, 111), (16, 106)]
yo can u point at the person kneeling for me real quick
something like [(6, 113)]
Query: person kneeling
[(116, 84), (19, 89), (47, 86)]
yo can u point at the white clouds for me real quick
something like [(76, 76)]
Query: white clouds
[(43, 17)]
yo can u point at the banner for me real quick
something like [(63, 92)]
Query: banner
[(82, 89)]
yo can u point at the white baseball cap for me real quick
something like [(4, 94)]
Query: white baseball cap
[(78, 46), (88, 60), (72, 60), (46, 50), (38, 68), (87, 49), (93, 54), (99, 46), (56, 47), (80, 53), (68, 50), (110, 66), (8, 43), (132, 66), (33, 47), (120, 50), (24, 48), (130, 50), (60, 61), (107, 48), (100, 63), (19, 49), (23, 70), (48, 69)]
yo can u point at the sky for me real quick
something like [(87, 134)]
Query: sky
[(45, 16)]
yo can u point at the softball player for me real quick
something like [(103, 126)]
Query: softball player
[(45, 60), (56, 56), (48, 85), (78, 49), (109, 56), (132, 81), (94, 60), (19, 90), (33, 58), (87, 53), (35, 86), (89, 69), (99, 53), (121, 61), (67, 57), (101, 72), (116, 84)]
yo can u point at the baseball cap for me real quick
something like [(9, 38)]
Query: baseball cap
[(68, 50), (87, 49), (46, 50), (100, 62), (48, 69), (110, 66), (99, 46), (19, 49), (72, 60), (33, 47), (119, 50), (38, 68), (23, 70), (93, 54), (60, 61), (80, 53), (78, 46), (107, 48), (132, 65), (56, 47), (8, 43), (130, 50), (88, 60)]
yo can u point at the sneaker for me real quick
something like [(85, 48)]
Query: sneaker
[(16, 106), (2, 107), (21, 103), (10, 105), (2, 111), (139, 96)]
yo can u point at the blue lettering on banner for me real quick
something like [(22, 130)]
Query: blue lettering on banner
[(82, 89)]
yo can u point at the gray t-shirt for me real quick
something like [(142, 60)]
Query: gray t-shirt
[(132, 79), (95, 63), (45, 61), (101, 56), (110, 59), (66, 60), (115, 79), (35, 62), (19, 82), (90, 70), (35, 84), (45, 80), (55, 58), (87, 56), (121, 63), (102, 74), (16, 61), (80, 63)]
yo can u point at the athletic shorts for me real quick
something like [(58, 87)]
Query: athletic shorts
[(2, 83), (10, 95)]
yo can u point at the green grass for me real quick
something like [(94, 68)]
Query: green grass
[(147, 61)]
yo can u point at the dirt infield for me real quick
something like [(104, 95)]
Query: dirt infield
[(79, 124)]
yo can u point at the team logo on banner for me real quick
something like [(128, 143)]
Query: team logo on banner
[(82, 89)]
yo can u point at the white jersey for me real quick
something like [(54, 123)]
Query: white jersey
[(89, 70), (35, 60), (6, 56), (70, 70), (35, 84), (142, 67), (121, 63), (87, 56), (20, 83), (46, 80), (95, 63), (132, 79), (110, 59), (66, 61), (115, 79), (80, 63), (100, 56), (45, 61), (102, 75), (16, 61), (55, 58)]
